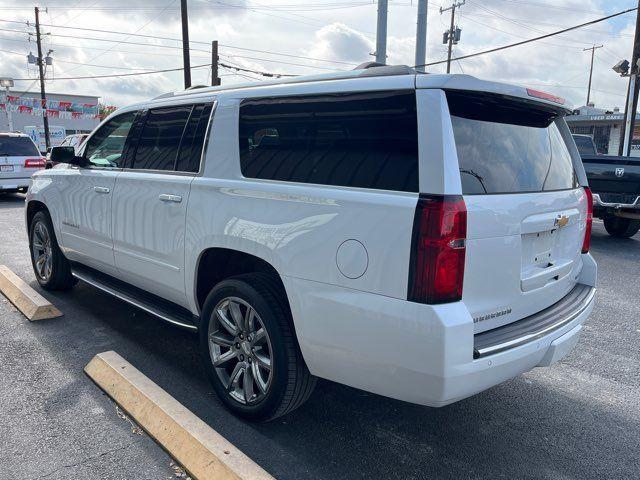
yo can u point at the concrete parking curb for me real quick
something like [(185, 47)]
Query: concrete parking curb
[(203, 452), (33, 305)]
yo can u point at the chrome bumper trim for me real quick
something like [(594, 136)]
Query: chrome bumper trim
[(535, 326), (598, 201)]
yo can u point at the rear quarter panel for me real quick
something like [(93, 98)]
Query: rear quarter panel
[(297, 228)]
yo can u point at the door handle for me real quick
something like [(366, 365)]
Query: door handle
[(165, 197), (101, 189)]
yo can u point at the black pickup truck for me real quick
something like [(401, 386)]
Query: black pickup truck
[(615, 185)]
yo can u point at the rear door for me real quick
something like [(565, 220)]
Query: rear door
[(526, 211), (151, 197), (19, 158)]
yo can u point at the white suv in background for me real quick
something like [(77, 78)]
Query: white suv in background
[(423, 237), (19, 159)]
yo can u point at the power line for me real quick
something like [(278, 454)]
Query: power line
[(167, 70), (504, 47), (61, 60), (114, 75), (116, 42), (171, 2), (174, 39)]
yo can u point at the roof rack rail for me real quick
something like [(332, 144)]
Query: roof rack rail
[(368, 69), (365, 65)]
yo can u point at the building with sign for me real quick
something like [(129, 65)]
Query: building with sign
[(604, 127), (67, 114)]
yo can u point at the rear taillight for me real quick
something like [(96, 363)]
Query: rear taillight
[(438, 249), (587, 231), (35, 163)]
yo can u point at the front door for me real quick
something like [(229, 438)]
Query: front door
[(87, 194)]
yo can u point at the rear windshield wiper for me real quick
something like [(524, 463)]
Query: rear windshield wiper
[(476, 176)]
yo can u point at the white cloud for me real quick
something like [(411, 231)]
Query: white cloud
[(340, 42), (342, 34)]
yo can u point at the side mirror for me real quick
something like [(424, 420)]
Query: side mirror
[(66, 155)]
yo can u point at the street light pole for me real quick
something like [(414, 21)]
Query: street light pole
[(421, 35), (381, 32)]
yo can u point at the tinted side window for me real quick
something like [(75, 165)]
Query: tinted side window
[(193, 139), (585, 145), (105, 147), (366, 140), (160, 138), (561, 173)]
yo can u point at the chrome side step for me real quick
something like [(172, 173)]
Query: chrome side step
[(159, 307)]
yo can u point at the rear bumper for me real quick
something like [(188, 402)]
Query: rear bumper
[(598, 202), (14, 183), (535, 326), (417, 353)]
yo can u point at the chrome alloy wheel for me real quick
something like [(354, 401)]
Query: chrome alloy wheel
[(41, 251), (240, 350)]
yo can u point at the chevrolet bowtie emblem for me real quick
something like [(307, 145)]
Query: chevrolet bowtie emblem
[(561, 221)]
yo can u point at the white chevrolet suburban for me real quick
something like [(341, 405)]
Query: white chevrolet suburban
[(423, 237)]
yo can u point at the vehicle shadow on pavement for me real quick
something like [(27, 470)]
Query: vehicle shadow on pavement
[(521, 429), (11, 200)]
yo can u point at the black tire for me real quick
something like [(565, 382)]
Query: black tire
[(291, 383), (59, 276), (621, 227)]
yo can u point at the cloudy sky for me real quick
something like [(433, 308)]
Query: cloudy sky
[(296, 37)]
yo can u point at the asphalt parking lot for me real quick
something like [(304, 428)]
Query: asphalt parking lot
[(578, 419)]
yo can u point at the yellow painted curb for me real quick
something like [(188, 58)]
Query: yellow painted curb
[(203, 452), (33, 305)]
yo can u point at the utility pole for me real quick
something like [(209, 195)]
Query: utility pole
[(215, 79), (381, 32), (43, 94), (632, 95), (421, 35), (593, 51), (452, 30), (186, 59)]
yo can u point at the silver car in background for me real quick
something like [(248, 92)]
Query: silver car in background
[(19, 158)]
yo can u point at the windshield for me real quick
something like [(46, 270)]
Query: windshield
[(17, 147), (506, 146)]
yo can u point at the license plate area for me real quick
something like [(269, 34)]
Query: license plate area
[(6, 168), (537, 248), (548, 252)]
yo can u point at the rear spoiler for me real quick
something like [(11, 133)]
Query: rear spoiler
[(470, 83)]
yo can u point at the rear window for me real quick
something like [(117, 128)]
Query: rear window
[(508, 146), (17, 147), (366, 140)]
